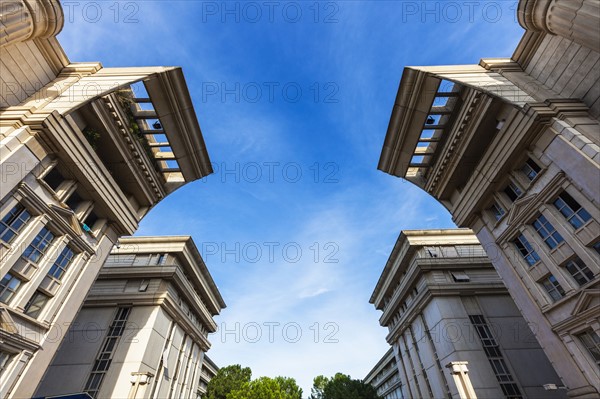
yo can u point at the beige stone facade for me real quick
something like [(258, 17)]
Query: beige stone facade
[(85, 153), (143, 329), (511, 148), (385, 377), (454, 329), (209, 370)]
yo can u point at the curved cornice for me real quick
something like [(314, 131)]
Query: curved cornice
[(532, 14), (23, 20)]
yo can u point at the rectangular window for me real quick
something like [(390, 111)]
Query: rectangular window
[(497, 211), (8, 287), (492, 350), (161, 259), (13, 223), (591, 341), (571, 210), (53, 178), (553, 287), (596, 246), (548, 233), (38, 247), (36, 304), (526, 250), (513, 191), (62, 263), (580, 272), (531, 169), (104, 358)]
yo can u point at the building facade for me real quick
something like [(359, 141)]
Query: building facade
[(385, 377), (209, 370), (511, 148), (143, 329), (85, 153), (453, 327)]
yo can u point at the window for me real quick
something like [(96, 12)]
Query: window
[(13, 223), (548, 233), (8, 287), (62, 263), (104, 358), (531, 169), (513, 191), (591, 341), (161, 259), (5, 359), (36, 304), (39, 245), (580, 272), (90, 221), (525, 248), (553, 287), (571, 210), (495, 357), (497, 211), (597, 247), (54, 178)]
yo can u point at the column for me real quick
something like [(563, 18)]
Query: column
[(577, 20)]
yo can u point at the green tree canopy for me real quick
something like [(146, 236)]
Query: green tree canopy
[(341, 386), (268, 388), (227, 379)]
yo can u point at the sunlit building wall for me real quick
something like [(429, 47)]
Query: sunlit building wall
[(511, 148), (143, 329), (453, 326), (86, 152)]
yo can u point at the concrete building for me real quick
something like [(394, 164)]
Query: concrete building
[(85, 153), (511, 148), (385, 377), (454, 329), (209, 370), (143, 329)]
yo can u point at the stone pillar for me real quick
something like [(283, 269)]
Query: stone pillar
[(577, 20), (22, 20), (460, 374), (139, 382)]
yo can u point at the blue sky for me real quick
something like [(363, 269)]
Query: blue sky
[(293, 99)]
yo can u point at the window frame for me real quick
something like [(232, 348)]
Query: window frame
[(551, 237), (39, 306), (531, 254), (593, 350), (576, 217), (576, 267), (7, 287), (35, 247), (552, 285), (58, 267), (526, 173), (14, 215)]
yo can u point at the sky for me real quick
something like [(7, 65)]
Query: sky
[(294, 99)]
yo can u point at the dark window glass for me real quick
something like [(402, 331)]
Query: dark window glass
[(575, 214), (548, 233), (13, 223)]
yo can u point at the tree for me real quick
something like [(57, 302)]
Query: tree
[(227, 379), (341, 386), (319, 383), (268, 388)]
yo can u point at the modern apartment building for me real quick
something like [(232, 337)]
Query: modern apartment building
[(385, 377), (511, 148), (453, 327), (143, 329), (85, 153)]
